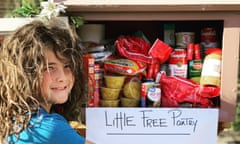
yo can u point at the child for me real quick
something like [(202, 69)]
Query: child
[(40, 66)]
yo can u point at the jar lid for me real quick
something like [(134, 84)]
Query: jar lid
[(214, 50)]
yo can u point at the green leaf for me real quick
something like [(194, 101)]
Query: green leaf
[(77, 21), (28, 8)]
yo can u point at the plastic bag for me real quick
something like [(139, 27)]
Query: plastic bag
[(177, 90), (136, 48)]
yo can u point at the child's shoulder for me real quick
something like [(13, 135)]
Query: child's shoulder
[(42, 116)]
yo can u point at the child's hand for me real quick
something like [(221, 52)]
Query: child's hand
[(89, 142)]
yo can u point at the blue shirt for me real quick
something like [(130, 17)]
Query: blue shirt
[(47, 128)]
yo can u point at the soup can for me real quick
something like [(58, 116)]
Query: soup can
[(208, 39), (178, 63), (208, 35), (183, 38)]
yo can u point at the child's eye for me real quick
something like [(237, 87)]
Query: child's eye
[(49, 68), (67, 66)]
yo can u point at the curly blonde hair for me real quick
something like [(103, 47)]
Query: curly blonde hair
[(21, 67)]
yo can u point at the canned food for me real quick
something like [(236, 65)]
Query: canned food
[(208, 38), (178, 63), (208, 35), (150, 94), (183, 38)]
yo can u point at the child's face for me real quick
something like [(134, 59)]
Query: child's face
[(57, 79)]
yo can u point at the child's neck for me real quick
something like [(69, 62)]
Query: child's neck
[(46, 106)]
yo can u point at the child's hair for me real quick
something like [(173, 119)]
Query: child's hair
[(21, 67)]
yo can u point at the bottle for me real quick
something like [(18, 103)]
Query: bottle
[(211, 72)]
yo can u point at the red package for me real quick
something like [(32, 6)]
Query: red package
[(152, 70), (176, 90), (136, 48), (89, 61), (160, 51)]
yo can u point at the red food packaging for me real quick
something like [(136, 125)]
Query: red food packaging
[(97, 77), (190, 49), (124, 66), (177, 90), (89, 61), (134, 48), (153, 69), (197, 50), (160, 51), (139, 50)]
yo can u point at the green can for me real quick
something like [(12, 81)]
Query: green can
[(194, 70)]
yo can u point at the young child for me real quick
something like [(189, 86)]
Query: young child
[(40, 66)]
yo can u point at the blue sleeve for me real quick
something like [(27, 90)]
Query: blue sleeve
[(66, 135), (58, 131), (48, 129)]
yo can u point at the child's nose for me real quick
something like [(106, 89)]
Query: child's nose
[(61, 75)]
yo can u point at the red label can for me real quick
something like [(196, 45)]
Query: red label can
[(208, 35), (178, 63)]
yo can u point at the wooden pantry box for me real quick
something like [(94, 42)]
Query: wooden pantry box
[(151, 11)]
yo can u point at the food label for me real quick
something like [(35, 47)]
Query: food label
[(208, 35), (178, 63), (211, 67), (195, 68), (169, 38), (150, 94), (124, 66), (154, 94), (184, 38)]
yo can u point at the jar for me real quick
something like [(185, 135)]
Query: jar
[(211, 71)]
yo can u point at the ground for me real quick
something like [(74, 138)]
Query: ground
[(228, 136)]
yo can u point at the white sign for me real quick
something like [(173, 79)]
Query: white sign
[(151, 125)]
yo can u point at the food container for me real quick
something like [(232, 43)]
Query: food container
[(112, 81), (184, 38), (109, 103), (211, 70), (109, 93), (129, 102), (178, 63), (132, 89)]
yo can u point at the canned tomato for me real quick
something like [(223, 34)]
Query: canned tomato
[(183, 38)]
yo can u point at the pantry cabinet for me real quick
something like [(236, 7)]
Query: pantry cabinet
[(150, 15), (123, 16)]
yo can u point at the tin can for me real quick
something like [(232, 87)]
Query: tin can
[(183, 38), (208, 39), (208, 35), (150, 94), (190, 50), (144, 89), (178, 63)]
